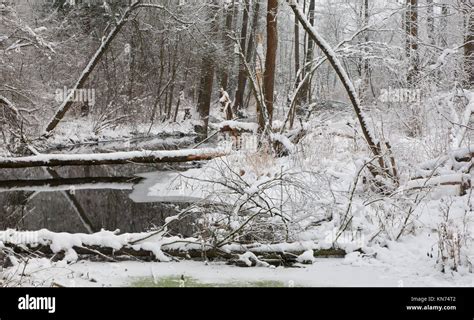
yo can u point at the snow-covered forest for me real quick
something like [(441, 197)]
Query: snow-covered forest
[(236, 142)]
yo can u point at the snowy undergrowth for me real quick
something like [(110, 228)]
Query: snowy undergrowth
[(319, 197), (319, 194)]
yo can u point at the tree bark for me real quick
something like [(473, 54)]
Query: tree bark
[(366, 62), (270, 63), (309, 56), (297, 50), (205, 94), (412, 42), (430, 22), (207, 81), (444, 25), (469, 46), (298, 74), (251, 44), (311, 18), (56, 160), (239, 95), (229, 18)]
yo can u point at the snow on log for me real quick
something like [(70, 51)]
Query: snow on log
[(449, 179), (112, 246), (460, 160), (237, 126), (69, 184), (282, 144), (448, 174), (56, 160)]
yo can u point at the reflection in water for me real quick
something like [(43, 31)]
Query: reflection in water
[(70, 184), (63, 201)]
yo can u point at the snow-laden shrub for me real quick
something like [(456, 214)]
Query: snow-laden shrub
[(455, 245)]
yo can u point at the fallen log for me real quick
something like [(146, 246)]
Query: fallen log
[(461, 182), (237, 127), (69, 184), (143, 157), (111, 246), (100, 254)]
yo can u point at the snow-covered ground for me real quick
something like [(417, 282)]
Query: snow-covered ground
[(419, 234), (395, 268)]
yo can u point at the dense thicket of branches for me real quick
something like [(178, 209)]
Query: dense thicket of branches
[(167, 65)]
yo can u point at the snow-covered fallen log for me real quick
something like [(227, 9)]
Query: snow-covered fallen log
[(70, 184), (237, 126), (112, 246), (458, 182), (448, 174), (457, 161), (55, 160)]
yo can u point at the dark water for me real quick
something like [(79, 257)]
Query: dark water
[(85, 199)]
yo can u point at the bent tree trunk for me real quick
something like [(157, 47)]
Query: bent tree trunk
[(341, 72), (67, 103), (56, 160)]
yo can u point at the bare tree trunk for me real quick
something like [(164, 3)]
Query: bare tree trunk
[(412, 41), (469, 46), (366, 62), (270, 63), (251, 44), (181, 91), (311, 18), (174, 70), (205, 94), (207, 80), (228, 43), (297, 50), (444, 25), (309, 56), (239, 95), (298, 74), (430, 22)]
